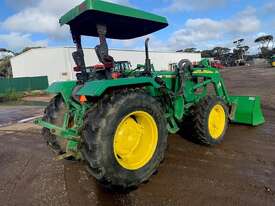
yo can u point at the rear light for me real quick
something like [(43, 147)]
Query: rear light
[(82, 99), (116, 75)]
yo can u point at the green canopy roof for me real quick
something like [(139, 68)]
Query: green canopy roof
[(122, 22)]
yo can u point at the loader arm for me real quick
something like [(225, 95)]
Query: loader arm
[(212, 76), (243, 109)]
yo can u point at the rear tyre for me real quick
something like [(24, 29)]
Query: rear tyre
[(210, 120), (125, 138), (54, 114)]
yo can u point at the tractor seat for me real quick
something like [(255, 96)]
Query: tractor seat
[(104, 57)]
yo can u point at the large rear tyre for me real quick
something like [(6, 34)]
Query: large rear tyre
[(54, 114), (210, 120), (125, 138)]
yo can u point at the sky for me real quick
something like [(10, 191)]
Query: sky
[(202, 24)]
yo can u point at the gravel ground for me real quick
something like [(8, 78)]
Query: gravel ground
[(240, 171), (15, 113)]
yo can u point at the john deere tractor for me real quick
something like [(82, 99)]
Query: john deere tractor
[(118, 120), (273, 61)]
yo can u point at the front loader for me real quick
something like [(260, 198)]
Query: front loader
[(118, 120)]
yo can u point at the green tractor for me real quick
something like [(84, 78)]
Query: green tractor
[(273, 61), (118, 120)]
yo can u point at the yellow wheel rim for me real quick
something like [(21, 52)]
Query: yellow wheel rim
[(135, 140), (217, 121)]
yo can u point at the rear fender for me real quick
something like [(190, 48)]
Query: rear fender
[(63, 88), (98, 88)]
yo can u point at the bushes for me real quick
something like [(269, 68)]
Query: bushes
[(11, 96)]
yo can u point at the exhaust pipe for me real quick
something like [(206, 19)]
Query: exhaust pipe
[(148, 68)]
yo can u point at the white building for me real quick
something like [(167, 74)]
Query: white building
[(57, 63)]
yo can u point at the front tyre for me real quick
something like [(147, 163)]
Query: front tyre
[(125, 138), (210, 120)]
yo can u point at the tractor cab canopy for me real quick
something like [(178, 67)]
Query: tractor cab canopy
[(121, 22), (107, 20)]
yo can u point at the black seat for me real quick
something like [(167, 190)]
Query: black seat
[(104, 57)]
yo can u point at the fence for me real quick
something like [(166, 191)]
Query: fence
[(23, 84)]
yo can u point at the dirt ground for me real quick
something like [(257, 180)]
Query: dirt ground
[(240, 171), (13, 114)]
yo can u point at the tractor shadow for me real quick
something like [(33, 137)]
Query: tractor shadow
[(187, 132)]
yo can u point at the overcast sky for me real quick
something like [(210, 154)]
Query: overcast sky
[(193, 23)]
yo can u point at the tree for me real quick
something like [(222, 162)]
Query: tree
[(220, 51), (265, 40), (240, 52), (190, 50), (5, 67), (207, 53), (264, 46)]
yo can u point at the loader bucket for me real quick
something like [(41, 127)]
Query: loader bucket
[(246, 110)]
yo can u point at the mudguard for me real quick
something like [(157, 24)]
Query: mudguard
[(97, 88), (63, 88)]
